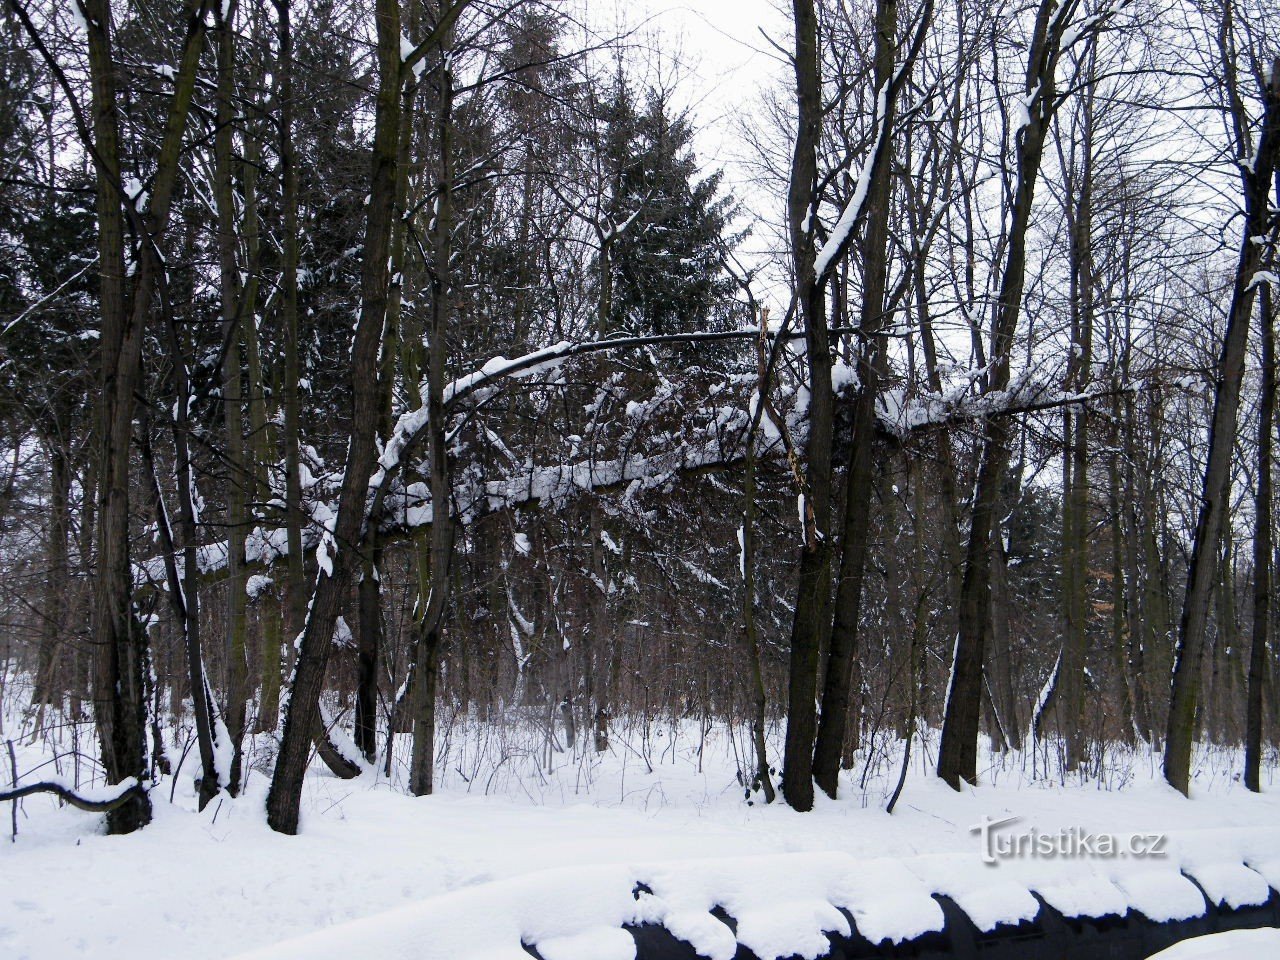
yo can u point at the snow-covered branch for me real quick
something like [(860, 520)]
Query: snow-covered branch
[(100, 800)]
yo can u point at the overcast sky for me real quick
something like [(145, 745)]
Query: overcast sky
[(721, 60)]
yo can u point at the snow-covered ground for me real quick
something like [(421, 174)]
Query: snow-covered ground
[(547, 847), (1233, 945)]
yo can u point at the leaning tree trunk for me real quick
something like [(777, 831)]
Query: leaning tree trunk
[(339, 557), (1185, 691), (958, 752)]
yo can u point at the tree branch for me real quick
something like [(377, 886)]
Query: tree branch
[(127, 789)]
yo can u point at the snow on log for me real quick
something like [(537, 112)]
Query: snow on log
[(816, 905), (336, 749)]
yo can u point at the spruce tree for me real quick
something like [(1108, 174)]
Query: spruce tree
[(668, 276)]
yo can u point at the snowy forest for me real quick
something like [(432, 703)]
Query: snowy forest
[(384, 380)]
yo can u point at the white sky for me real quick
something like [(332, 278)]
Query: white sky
[(717, 53), (721, 51)]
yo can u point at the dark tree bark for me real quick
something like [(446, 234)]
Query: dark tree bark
[(232, 394), (871, 353), (1257, 176), (812, 618), (372, 636), (183, 594), (998, 668), (765, 360), (118, 696), (434, 603), (958, 753), (302, 718), (1069, 692), (119, 684), (48, 688), (370, 640), (295, 587), (1261, 638)]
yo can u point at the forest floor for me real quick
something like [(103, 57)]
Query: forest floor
[(216, 883)]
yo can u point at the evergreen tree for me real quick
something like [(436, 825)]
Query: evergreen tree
[(668, 276)]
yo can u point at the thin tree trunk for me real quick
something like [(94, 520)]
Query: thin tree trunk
[(369, 597), (295, 588), (262, 428), (999, 667), (1119, 590), (1075, 519), (372, 631), (1261, 551), (435, 601), (232, 397), (747, 536), (601, 639), (49, 688), (186, 612)]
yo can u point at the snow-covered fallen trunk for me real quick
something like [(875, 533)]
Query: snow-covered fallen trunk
[(801, 904), (711, 440)]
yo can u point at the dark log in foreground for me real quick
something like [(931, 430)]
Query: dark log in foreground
[(1050, 936)]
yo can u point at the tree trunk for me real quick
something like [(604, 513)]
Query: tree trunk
[(958, 752), (1185, 691), (747, 539), (999, 667), (812, 618), (295, 588), (119, 643), (1075, 508), (367, 650), (338, 547), (372, 631), (49, 688), (119, 709), (435, 602), (232, 396), (184, 601), (1261, 551), (843, 647)]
